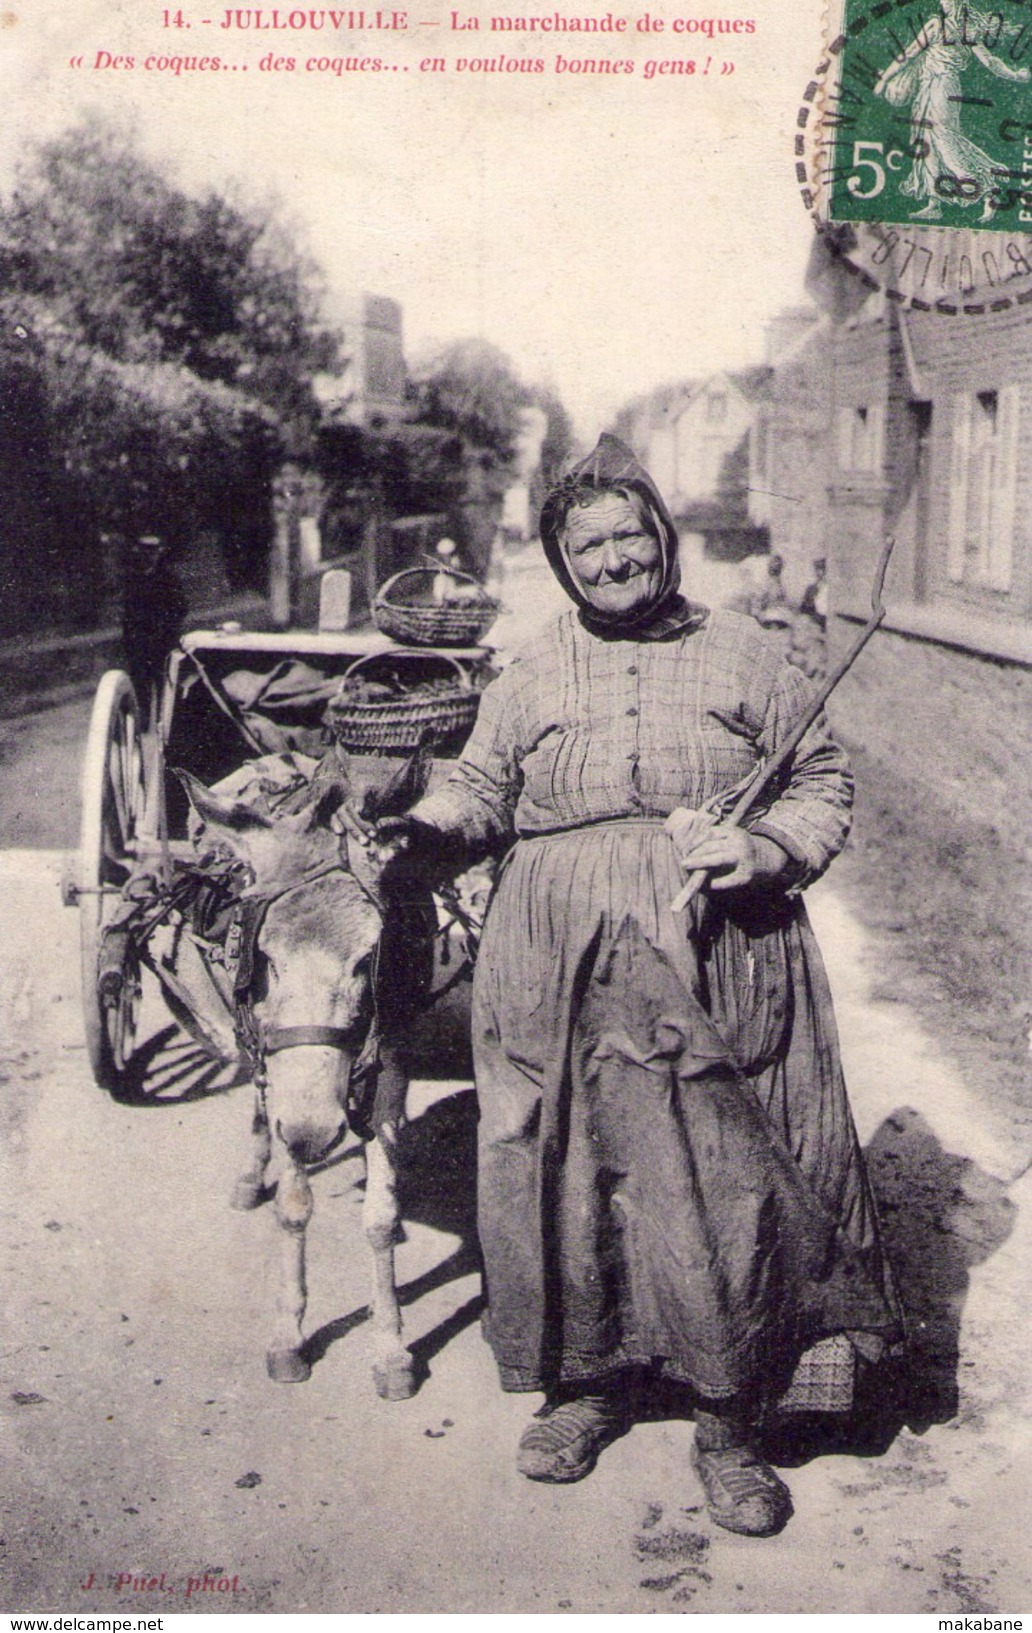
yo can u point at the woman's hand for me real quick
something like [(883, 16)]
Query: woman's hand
[(686, 828), (734, 857), (403, 840)]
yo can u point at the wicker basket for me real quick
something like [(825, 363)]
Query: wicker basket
[(404, 721), (462, 624)]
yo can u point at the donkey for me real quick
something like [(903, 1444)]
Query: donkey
[(334, 962)]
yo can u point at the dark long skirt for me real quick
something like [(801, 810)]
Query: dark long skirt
[(669, 1173)]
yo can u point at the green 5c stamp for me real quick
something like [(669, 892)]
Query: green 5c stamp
[(932, 115), (916, 142)]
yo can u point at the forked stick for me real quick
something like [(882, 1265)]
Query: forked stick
[(769, 771)]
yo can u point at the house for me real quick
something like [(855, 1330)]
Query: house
[(648, 424), (931, 440), (370, 391), (914, 423), (690, 435), (921, 428), (709, 429), (788, 480)]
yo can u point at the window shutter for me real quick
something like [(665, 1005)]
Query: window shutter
[(1001, 516), (959, 486), (876, 437), (844, 439)]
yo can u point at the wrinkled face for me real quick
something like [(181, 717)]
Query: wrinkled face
[(615, 560)]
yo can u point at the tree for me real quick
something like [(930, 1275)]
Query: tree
[(158, 357), (472, 394), (556, 448), (471, 389), (138, 269)]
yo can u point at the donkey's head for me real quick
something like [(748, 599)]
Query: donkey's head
[(319, 951)]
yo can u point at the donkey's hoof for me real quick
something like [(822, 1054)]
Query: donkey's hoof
[(287, 1366), (395, 1377), (247, 1194)]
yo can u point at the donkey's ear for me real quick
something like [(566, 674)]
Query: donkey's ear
[(330, 788), (227, 817), (408, 785)]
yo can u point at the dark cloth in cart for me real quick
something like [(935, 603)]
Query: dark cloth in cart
[(284, 708)]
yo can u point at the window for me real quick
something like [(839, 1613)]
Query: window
[(982, 483), (716, 407), (861, 438)]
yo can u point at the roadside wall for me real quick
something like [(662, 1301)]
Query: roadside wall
[(954, 722), (938, 862)]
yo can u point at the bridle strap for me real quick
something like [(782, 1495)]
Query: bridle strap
[(275, 1038), (255, 1040)]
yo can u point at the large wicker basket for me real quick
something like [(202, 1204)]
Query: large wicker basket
[(422, 623), (408, 718)]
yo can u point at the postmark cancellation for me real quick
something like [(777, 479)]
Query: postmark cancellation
[(914, 149)]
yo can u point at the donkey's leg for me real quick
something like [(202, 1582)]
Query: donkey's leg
[(284, 1360), (247, 1193), (381, 1219)]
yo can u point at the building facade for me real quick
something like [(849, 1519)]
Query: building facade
[(788, 490), (931, 441)]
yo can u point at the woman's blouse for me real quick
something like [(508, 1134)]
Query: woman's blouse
[(581, 729)]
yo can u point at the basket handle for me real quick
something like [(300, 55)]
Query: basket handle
[(412, 652), (435, 570)]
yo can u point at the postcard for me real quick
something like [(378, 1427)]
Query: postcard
[(296, 287)]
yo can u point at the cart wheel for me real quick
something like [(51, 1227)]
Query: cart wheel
[(112, 810)]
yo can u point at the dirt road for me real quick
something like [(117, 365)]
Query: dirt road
[(147, 1444)]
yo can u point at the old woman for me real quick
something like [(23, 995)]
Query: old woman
[(670, 1183)]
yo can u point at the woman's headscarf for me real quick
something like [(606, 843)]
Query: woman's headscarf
[(612, 468)]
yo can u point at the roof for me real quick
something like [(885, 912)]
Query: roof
[(752, 381)]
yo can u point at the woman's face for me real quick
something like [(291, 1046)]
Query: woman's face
[(616, 562)]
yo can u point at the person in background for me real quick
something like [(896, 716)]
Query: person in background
[(670, 1185), (772, 593), (447, 586), (815, 597), (444, 553)]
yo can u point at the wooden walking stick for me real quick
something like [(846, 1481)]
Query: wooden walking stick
[(767, 772)]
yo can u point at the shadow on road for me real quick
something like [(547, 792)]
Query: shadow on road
[(941, 1215), (440, 1048), (170, 1069), (437, 1187)]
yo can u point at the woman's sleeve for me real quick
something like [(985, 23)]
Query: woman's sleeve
[(477, 802), (810, 815)]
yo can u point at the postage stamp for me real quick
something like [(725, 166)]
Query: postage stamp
[(914, 149)]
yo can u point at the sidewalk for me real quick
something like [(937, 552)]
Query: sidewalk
[(42, 672)]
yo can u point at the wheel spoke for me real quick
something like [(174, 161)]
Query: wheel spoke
[(113, 815), (115, 866), (116, 784), (131, 775), (122, 1016), (116, 871)]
